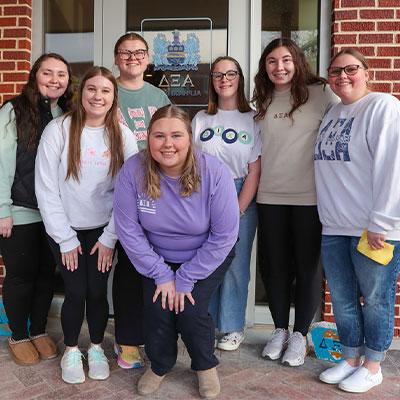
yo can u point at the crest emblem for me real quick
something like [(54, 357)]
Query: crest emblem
[(176, 55)]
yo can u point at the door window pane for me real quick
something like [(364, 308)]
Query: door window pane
[(295, 19), (183, 40), (69, 31)]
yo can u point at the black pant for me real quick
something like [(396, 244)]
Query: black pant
[(128, 301), (194, 324), (289, 244), (83, 286), (29, 281)]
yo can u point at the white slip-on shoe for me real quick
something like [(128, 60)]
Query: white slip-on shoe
[(336, 374), (361, 381)]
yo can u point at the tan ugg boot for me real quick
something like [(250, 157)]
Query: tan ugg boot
[(149, 382), (23, 352), (209, 386), (45, 346)]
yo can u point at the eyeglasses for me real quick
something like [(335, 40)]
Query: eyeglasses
[(351, 69), (230, 75), (127, 54)]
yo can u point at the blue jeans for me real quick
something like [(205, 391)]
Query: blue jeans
[(363, 329), (228, 304)]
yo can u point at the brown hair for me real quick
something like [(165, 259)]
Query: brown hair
[(303, 76), (129, 36), (26, 105), (242, 103), (190, 179), (112, 128), (351, 52)]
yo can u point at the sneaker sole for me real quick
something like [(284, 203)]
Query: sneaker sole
[(98, 378), (273, 357), (357, 390), (228, 347), (72, 382), (292, 364)]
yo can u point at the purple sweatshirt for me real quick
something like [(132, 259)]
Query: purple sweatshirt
[(198, 231)]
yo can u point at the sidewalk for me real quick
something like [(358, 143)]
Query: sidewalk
[(244, 375)]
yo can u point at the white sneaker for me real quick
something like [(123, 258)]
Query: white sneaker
[(361, 381), (72, 367), (276, 345), (296, 350), (337, 373), (231, 341), (98, 363)]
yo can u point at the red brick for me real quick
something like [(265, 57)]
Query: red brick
[(8, 21), (6, 66), (389, 51), (389, 3), (328, 309), (367, 51), (18, 33), (340, 15), (335, 4), (24, 22), (24, 44), (398, 14), (18, 10), (27, 2), (329, 318), (344, 39), (375, 38), (6, 97), (388, 26), (379, 62), (7, 44), (15, 76), (19, 87), (6, 88), (397, 322), (358, 3), (376, 14), (335, 27), (8, 2), (23, 66), (380, 87), (387, 75), (357, 26), (397, 311), (16, 55), (397, 63)]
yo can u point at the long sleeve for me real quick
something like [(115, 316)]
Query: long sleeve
[(8, 155), (47, 188), (109, 237), (131, 234), (224, 227), (384, 139)]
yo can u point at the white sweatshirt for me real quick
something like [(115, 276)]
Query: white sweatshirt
[(66, 205), (357, 167)]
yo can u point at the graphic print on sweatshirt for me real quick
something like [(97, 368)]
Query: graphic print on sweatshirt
[(228, 135), (333, 140), (146, 204)]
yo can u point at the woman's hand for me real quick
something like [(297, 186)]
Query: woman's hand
[(105, 256), (167, 291), (6, 225), (376, 240), (70, 258), (180, 301)]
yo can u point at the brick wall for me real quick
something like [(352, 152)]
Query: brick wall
[(373, 27), (15, 46)]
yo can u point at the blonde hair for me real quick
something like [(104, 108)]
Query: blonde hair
[(190, 179), (112, 128)]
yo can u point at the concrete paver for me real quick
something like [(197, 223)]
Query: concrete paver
[(243, 374)]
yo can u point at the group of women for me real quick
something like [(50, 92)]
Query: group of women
[(182, 213)]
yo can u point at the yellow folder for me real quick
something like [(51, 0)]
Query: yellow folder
[(381, 256)]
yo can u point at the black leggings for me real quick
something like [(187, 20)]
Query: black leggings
[(86, 286), (289, 242), (128, 301), (29, 281)]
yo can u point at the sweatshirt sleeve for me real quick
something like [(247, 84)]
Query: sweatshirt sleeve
[(8, 157), (224, 228), (130, 233), (109, 237), (383, 137), (47, 188)]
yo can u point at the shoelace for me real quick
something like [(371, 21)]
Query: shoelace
[(232, 336), (97, 355), (74, 359), (296, 343), (278, 336)]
